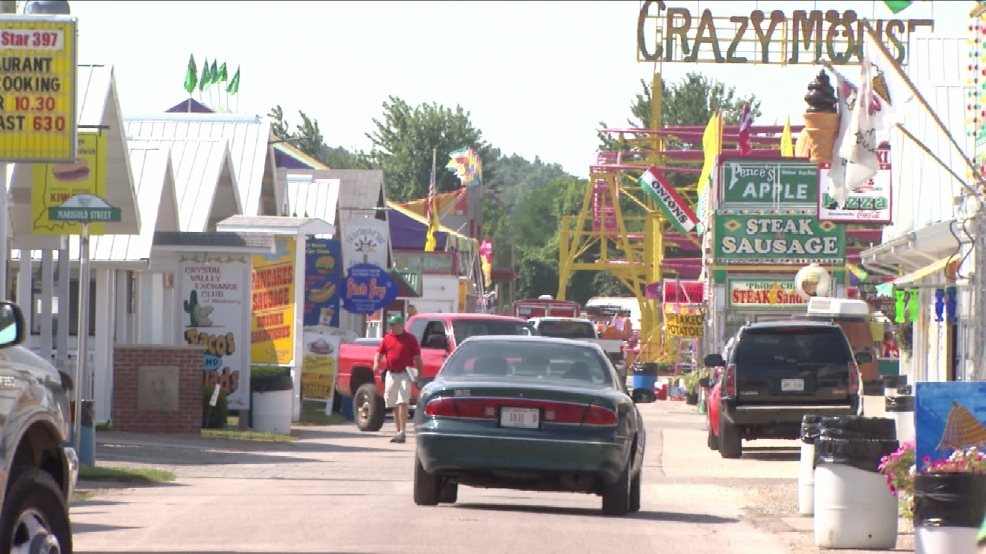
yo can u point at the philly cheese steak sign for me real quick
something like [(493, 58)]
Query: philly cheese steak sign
[(656, 185), (781, 239)]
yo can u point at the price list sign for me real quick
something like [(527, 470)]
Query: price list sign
[(38, 70)]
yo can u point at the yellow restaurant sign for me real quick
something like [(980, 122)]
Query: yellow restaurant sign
[(37, 89), (272, 325), (762, 293), (761, 38), (687, 326), (53, 184)]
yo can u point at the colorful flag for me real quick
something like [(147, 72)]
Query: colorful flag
[(711, 147), (466, 164), (431, 209), (486, 261), (897, 6), (206, 79), (746, 121), (191, 75), (787, 145), (234, 84)]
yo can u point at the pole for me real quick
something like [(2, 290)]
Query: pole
[(82, 354), (978, 372), (4, 240)]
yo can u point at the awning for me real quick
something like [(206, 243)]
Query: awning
[(408, 282), (925, 271)]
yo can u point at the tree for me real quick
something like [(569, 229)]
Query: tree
[(308, 138), (403, 141)]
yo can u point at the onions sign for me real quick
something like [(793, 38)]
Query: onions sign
[(656, 185)]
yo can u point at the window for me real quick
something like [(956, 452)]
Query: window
[(796, 345), (522, 360), (73, 310), (465, 328), (567, 329)]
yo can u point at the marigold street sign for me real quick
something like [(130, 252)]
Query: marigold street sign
[(85, 208), (760, 38)]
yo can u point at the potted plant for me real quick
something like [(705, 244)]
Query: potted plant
[(690, 382), (899, 469)]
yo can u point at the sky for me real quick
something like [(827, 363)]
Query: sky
[(536, 77)]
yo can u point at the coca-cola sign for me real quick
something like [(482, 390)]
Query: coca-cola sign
[(868, 202)]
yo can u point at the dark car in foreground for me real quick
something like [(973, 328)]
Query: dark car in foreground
[(778, 372), (533, 414)]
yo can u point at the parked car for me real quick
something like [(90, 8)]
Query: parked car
[(776, 373), (39, 469), (438, 334), (577, 329), (529, 413)]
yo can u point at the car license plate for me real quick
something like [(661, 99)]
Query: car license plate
[(792, 385), (523, 418)]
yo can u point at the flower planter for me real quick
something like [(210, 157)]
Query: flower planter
[(691, 399), (948, 511)]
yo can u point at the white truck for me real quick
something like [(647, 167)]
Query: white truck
[(578, 329)]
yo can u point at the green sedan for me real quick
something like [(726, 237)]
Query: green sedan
[(533, 414)]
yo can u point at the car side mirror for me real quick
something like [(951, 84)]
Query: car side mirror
[(864, 358), (643, 396), (714, 360), (705, 383), (423, 382), (12, 326)]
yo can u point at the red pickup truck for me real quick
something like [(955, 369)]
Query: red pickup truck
[(438, 335)]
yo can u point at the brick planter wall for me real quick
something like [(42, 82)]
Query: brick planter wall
[(157, 388)]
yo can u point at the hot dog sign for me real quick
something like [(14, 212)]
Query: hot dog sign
[(323, 264)]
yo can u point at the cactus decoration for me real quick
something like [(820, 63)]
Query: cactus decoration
[(198, 316)]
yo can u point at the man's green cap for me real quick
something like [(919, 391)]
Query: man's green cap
[(395, 319)]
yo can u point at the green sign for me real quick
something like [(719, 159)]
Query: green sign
[(762, 184), (778, 239), (84, 215)]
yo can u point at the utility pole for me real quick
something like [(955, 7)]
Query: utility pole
[(978, 303)]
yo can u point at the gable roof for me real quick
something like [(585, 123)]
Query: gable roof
[(308, 197), (358, 188), (247, 137)]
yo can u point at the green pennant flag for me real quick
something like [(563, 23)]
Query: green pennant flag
[(213, 74), (205, 79), (234, 84), (897, 6), (191, 75), (222, 73)]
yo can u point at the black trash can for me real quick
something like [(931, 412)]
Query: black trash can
[(948, 511)]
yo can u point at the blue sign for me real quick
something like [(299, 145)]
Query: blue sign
[(323, 277), (368, 288), (948, 416)]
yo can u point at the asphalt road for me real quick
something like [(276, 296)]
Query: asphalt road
[(337, 490)]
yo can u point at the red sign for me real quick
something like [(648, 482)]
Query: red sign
[(681, 292)]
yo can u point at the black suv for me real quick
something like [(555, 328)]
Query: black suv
[(776, 373)]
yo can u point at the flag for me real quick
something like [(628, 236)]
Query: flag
[(431, 209), (787, 146), (897, 6), (191, 75), (206, 79), (213, 74), (234, 84), (746, 121), (867, 126), (223, 77), (711, 145), (888, 81), (837, 171), (466, 164), (486, 261)]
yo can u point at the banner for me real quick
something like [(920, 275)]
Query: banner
[(318, 367), (766, 184), (272, 324), (214, 314), (790, 239), (763, 293), (684, 326), (682, 292), (656, 185), (323, 276), (53, 184), (368, 288), (870, 202), (365, 240)]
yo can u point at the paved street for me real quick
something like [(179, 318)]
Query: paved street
[(338, 490)]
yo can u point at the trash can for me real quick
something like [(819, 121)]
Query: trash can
[(893, 382), (948, 510), (644, 375), (87, 434), (806, 466), (346, 408), (873, 395), (272, 403), (854, 508), (901, 410)]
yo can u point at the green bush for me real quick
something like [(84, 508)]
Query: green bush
[(214, 417), (269, 370)]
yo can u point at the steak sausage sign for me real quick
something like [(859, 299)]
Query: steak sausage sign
[(787, 239)]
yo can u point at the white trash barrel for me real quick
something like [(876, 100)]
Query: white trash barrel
[(901, 410), (873, 399), (806, 466), (854, 508), (948, 511), (272, 403)]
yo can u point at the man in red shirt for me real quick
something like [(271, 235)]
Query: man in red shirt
[(400, 351)]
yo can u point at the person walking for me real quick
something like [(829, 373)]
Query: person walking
[(400, 351)]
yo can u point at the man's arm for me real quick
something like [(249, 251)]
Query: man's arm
[(378, 358), (420, 364)]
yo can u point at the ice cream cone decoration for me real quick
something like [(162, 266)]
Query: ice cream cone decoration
[(821, 121)]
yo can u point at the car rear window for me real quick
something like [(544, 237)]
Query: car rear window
[(530, 361), (567, 329), (793, 345), (465, 328)]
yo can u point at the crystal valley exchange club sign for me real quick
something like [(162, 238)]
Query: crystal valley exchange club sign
[(782, 239)]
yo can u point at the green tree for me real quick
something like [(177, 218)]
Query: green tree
[(403, 140), (308, 138)]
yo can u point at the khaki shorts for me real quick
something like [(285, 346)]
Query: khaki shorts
[(397, 388)]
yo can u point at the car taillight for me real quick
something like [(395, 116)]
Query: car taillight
[(729, 381), (551, 412), (853, 378)]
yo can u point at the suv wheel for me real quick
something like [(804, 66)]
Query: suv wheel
[(730, 442), (713, 440), (369, 408), (34, 515)]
